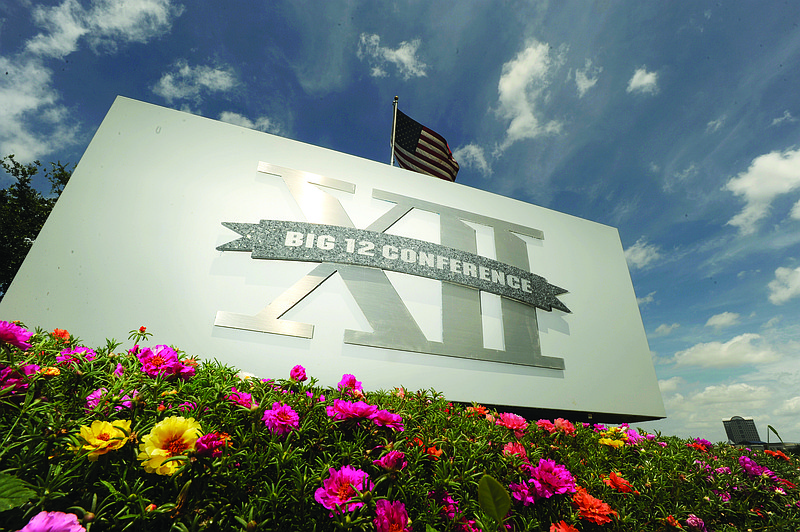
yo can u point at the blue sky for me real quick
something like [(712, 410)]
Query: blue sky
[(676, 122)]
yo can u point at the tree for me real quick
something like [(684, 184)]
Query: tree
[(23, 211)]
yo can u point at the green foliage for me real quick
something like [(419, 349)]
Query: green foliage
[(460, 463), (23, 211)]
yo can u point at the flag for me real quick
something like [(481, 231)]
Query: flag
[(422, 150)]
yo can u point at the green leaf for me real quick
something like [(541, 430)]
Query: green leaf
[(429, 528), (493, 498), (13, 492), (770, 427)]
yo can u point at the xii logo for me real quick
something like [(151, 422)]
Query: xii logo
[(331, 238)]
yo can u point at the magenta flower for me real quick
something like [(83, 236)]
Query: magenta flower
[(77, 355), (241, 398), (53, 522), (349, 381), (392, 461), (513, 422), (523, 493), (10, 378), (13, 334), (384, 418), (754, 470), (282, 419), (209, 444), (391, 516), (119, 370), (342, 410), (547, 479), (298, 373), (160, 360), (342, 487), (94, 398), (696, 523)]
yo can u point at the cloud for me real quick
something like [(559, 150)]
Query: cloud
[(785, 286), (769, 176), (740, 350), (587, 78), (714, 125), (106, 24), (726, 319), (472, 156), (522, 84), (665, 329), (641, 254), (787, 117), (404, 57), (670, 385), (262, 123), (33, 120), (724, 394), (789, 406), (643, 82), (649, 298), (186, 82)]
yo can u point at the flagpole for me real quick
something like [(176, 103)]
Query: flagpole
[(394, 123)]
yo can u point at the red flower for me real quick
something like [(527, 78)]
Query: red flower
[(592, 509), (673, 522), (618, 483), (142, 329), (476, 410), (776, 454), (61, 334), (562, 526)]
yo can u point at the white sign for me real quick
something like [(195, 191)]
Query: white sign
[(264, 253)]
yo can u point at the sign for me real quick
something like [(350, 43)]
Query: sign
[(264, 253)]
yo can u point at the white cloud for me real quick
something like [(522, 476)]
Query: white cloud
[(643, 81), (726, 319), (404, 57), (768, 177), (104, 25), (725, 394), (649, 298), (785, 286), (641, 254), (714, 125), (33, 121), (789, 406), (261, 124), (522, 84), (186, 82), (587, 78), (473, 156), (665, 329), (670, 385), (787, 117), (740, 350)]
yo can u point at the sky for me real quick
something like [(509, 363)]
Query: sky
[(678, 123)]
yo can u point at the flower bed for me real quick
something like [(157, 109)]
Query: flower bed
[(146, 438)]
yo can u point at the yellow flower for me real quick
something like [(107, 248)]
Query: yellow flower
[(611, 443), (50, 371), (174, 436), (103, 436)]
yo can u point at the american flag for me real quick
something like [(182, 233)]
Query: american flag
[(422, 150)]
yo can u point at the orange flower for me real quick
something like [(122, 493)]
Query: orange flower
[(673, 522), (618, 483), (50, 371), (562, 526), (61, 333), (476, 410), (591, 508), (776, 454)]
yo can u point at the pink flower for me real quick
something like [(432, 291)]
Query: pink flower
[(13, 334), (391, 516), (384, 418), (282, 419), (10, 378), (565, 426), (209, 444), (342, 410), (160, 360), (515, 448), (513, 422), (77, 355), (241, 398), (696, 523), (546, 424), (298, 373), (94, 398), (547, 479), (53, 522), (349, 382), (392, 461), (341, 487), (119, 370)]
